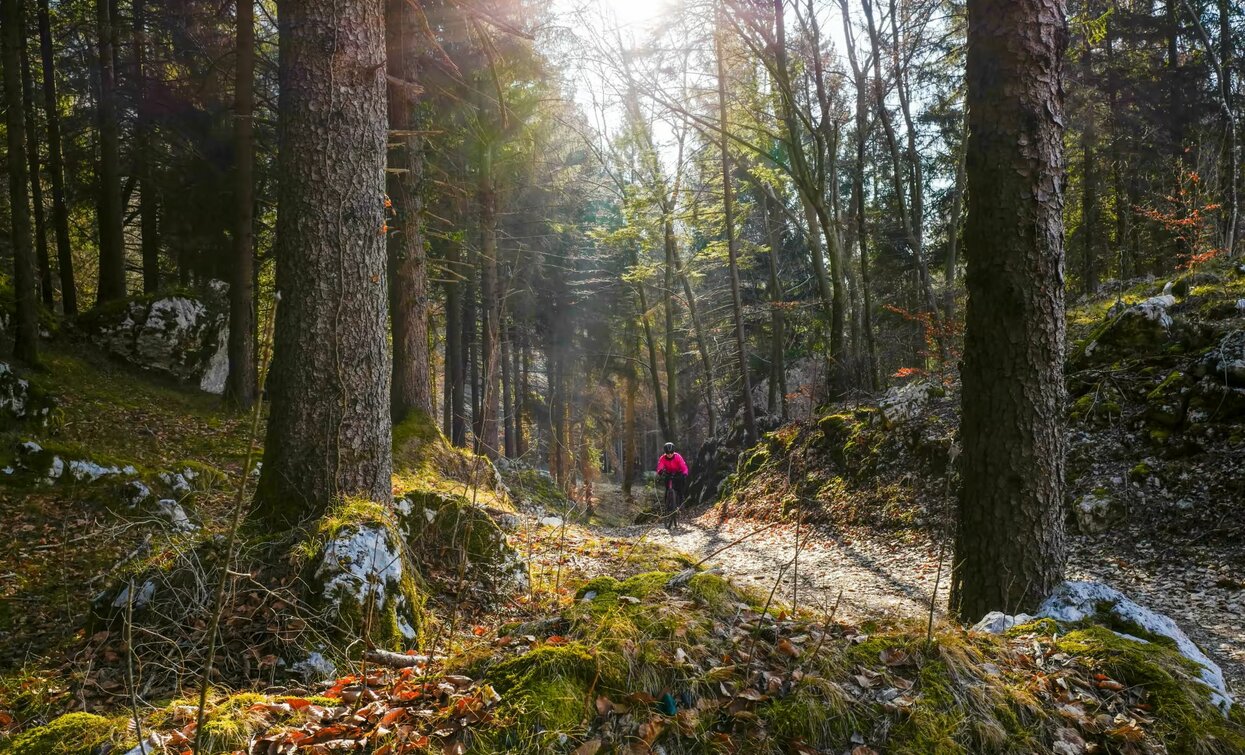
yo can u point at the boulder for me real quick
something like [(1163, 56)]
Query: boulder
[(20, 401), (362, 576), (1081, 601), (183, 336), (1096, 512), (1225, 362), (906, 402), (1141, 328), (445, 527)]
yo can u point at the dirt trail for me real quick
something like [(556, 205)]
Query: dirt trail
[(1194, 585)]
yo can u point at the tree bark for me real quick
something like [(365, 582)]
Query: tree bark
[(490, 295), (56, 166), (242, 383), (455, 354), (1010, 544), (36, 183), (148, 210), (777, 317), (329, 433), (408, 260), (111, 242), (26, 325), (728, 210)]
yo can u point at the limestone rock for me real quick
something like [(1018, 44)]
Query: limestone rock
[(20, 401), (1078, 601), (1096, 512), (180, 335)]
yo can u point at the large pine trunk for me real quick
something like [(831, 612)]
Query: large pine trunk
[(490, 300), (111, 243), (329, 432), (56, 166), (26, 336), (1010, 545), (408, 309), (241, 384)]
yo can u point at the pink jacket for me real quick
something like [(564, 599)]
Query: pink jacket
[(673, 465)]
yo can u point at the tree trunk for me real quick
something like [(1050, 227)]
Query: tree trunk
[(507, 406), (408, 261), (490, 296), (56, 166), (148, 211), (111, 241), (953, 232), (26, 325), (1010, 544), (702, 346), (1089, 180), (671, 354), (629, 426), (329, 433), (777, 317), (36, 184), (455, 354), (858, 195), (241, 384), (662, 422), (728, 210)]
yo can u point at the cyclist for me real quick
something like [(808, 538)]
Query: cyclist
[(671, 472)]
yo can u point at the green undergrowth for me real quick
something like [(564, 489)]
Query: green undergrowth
[(70, 734), (693, 663)]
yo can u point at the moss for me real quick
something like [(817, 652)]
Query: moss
[(383, 624), (231, 723), (1141, 471), (1185, 718), (817, 712), (71, 734)]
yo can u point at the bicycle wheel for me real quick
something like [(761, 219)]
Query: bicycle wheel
[(672, 510)]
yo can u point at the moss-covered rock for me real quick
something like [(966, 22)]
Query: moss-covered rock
[(71, 734), (182, 335), (448, 528), (1167, 402), (22, 402), (360, 572)]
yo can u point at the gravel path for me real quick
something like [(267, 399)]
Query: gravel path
[(1198, 586)]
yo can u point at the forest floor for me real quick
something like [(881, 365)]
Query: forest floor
[(867, 574)]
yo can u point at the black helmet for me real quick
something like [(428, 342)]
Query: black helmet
[(669, 447)]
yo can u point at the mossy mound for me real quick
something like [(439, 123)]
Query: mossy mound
[(447, 529), (70, 734), (849, 467), (425, 461)]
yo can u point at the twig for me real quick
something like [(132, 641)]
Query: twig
[(218, 603), (129, 666), (390, 659)]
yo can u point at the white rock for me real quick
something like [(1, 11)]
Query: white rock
[(217, 370), (552, 521), (997, 622), (141, 598), (172, 512), (315, 668), (1076, 601), (136, 492)]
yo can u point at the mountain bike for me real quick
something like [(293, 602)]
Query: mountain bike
[(670, 502)]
